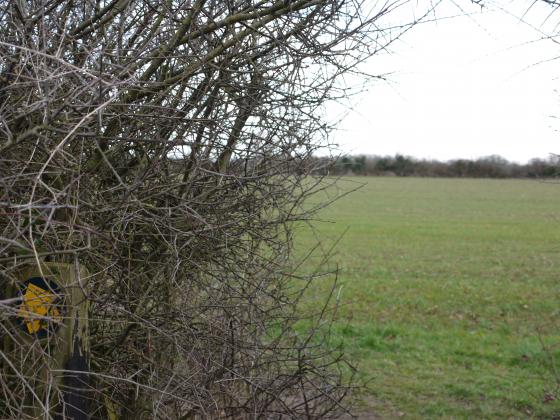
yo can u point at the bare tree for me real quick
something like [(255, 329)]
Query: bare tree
[(164, 145)]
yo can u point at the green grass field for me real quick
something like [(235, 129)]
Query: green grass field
[(449, 294)]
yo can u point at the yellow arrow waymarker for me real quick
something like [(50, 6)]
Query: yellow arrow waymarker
[(39, 309)]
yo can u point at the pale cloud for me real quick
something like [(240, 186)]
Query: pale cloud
[(464, 87)]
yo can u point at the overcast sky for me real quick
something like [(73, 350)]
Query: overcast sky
[(474, 85)]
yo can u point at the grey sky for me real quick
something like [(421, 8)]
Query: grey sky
[(462, 87)]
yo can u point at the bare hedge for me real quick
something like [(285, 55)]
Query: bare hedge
[(163, 145)]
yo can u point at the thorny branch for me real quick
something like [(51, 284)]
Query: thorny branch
[(165, 146)]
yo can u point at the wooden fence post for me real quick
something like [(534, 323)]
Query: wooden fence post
[(52, 319)]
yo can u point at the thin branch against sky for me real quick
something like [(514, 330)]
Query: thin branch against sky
[(475, 82)]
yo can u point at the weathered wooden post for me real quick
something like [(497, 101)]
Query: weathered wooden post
[(52, 320)]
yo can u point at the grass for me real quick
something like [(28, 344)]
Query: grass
[(449, 288)]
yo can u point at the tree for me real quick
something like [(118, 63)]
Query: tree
[(403, 165), (359, 165), (156, 143)]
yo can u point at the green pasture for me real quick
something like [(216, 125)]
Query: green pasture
[(449, 294)]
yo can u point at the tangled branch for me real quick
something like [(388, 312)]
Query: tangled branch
[(164, 146)]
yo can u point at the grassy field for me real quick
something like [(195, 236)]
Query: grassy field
[(449, 292)]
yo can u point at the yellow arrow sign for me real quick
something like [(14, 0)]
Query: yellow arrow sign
[(39, 308)]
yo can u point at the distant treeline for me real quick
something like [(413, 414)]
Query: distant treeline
[(399, 165)]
